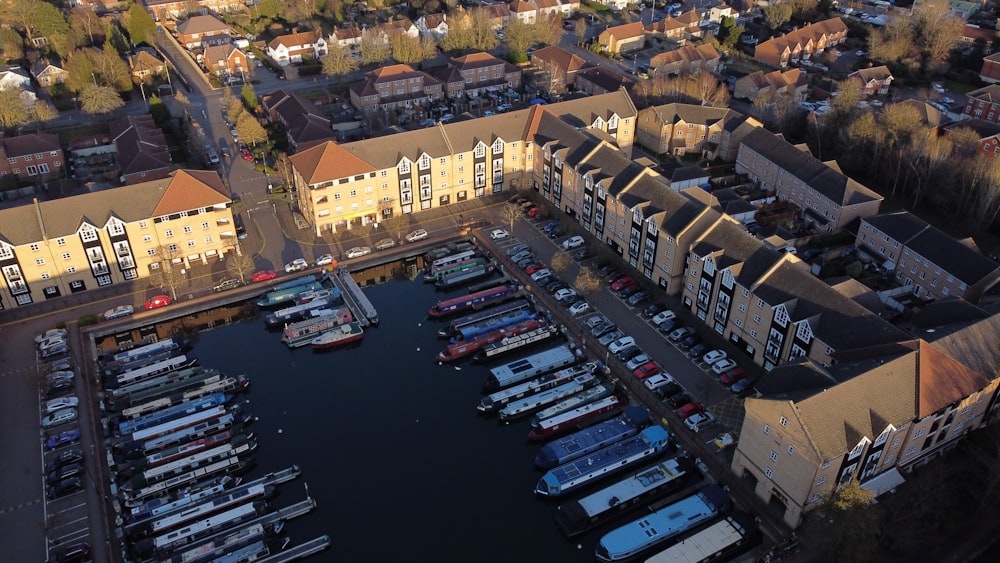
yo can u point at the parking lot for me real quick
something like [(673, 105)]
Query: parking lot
[(696, 379)]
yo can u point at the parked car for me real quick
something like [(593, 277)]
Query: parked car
[(54, 405), (499, 234), (446, 118), (59, 387), (646, 370), (564, 294), (73, 553), (118, 312), (264, 275), (324, 260), (296, 265), (533, 267), (652, 310), (732, 376), (64, 472), (602, 329), (61, 375), (419, 234), (579, 308), (157, 301), (582, 254), (669, 325), (539, 274), (551, 226), (555, 233), (699, 421), (638, 298), (628, 291), (52, 332), (610, 337), (66, 487), (231, 283), (55, 352), (722, 366), (595, 320), (61, 365), (572, 242), (520, 256), (664, 315), (689, 342), (714, 356), (359, 251), (657, 380), (743, 385), (385, 244), (678, 399), (556, 286), (64, 458), (638, 361), (698, 350), (63, 438), (622, 282), (689, 409), (668, 390), (621, 343), (60, 417), (52, 342), (628, 352), (515, 250), (680, 334)]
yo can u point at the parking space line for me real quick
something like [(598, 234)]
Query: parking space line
[(72, 537), (74, 507), (70, 523)]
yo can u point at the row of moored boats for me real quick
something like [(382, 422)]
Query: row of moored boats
[(604, 459), (310, 311), (181, 448)]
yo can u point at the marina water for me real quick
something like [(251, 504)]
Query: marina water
[(391, 445)]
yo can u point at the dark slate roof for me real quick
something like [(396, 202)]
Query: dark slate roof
[(836, 320), (685, 173), (731, 202), (831, 183), (748, 257), (976, 345)]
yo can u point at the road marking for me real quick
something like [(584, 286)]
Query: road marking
[(21, 506), (70, 523), (74, 507)]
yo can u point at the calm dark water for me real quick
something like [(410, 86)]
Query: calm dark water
[(391, 445)]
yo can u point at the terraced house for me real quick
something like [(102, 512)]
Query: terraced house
[(73, 244), (801, 43), (678, 129), (357, 183)]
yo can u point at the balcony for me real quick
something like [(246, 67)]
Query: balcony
[(99, 268)]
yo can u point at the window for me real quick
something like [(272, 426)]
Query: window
[(187, 228), (753, 333), (760, 303), (40, 261), (34, 247), (208, 238), (190, 243), (71, 270), (172, 247), (768, 472), (774, 455), (143, 224), (895, 443), (783, 421), (822, 479), (354, 193), (826, 465), (147, 238), (791, 450), (767, 429), (150, 252), (62, 242), (65, 256), (756, 318), (168, 233), (45, 275), (204, 225)]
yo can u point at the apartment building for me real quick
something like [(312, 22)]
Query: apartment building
[(988, 134), (925, 259), (477, 73), (395, 86), (801, 43), (35, 157), (769, 305), (73, 244), (358, 183), (828, 198), (984, 103), (678, 129), (815, 427)]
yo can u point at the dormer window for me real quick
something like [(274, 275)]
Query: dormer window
[(425, 162), (497, 145), (480, 150), (404, 166)]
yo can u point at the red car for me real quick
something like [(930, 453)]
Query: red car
[(247, 155), (689, 409), (157, 302), (622, 283), (732, 376), (647, 369), (532, 268), (264, 275), (532, 212)]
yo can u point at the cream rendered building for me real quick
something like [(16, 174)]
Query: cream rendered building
[(73, 244)]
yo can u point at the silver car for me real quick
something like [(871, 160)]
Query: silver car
[(359, 251)]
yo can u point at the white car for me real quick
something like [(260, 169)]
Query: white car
[(656, 381), (499, 234), (938, 87), (540, 274), (638, 361), (50, 343), (699, 421), (714, 356), (358, 252), (663, 316), (416, 235), (324, 260), (296, 265), (572, 242), (722, 366), (579, 308), (118, 312), (595, 320), (446, 118), (564, 294), (621, 343), (52, 332), (61, 403)]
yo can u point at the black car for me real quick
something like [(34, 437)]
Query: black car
[(63, 473), (669, 325), (65, 487), (555, 233), (653, 310), (638, 298), (555, 283), (71, 554), (698, 350), (690, 342), (546, 280), (515, 250), (552, 288), (59, 387), (64, 458), (605, 268), (628, 352), (669, 389), (602, 329), (628, 291), (678, 400), (582, 254), (524, 262)]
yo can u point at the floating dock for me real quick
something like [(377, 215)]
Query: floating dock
[(364, 311), (312, 546)]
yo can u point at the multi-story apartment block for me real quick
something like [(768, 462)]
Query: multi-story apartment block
[(73, 244), (801, 43), (36, 156), (988, 134), (395, 86), (357, 183), (984, 103), (293, 48), (769, 305), (678, 129), (476, 73), (926, 259), (829, 199), (816, 428)]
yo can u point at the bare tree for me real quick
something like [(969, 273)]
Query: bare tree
[(238, 262), (374, 48), (510, 214), (13, 109), (587, 281), (339, 62), (560, 261), (167, 275), (100, 100), (519, 35)]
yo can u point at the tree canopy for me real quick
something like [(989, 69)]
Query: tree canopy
[(100, 100)]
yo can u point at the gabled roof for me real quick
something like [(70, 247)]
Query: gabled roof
[(703, 52), (985, 129), (604, 79), (143, 59), (141, 145), (989, 93), (328, 161), (831, 183), (624, 31), (675, 113), (201, 24), (215, 53), (191, 189), (293, 40), (875, 73), (561, 59), (31, 143)]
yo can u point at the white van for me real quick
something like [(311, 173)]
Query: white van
[(572, 242)]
